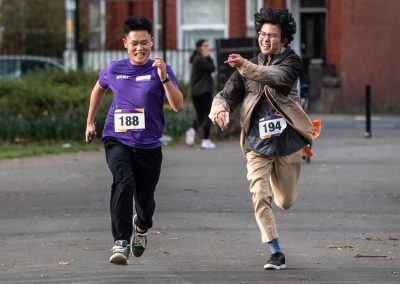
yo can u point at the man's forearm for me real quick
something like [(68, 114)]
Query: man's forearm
[(174, 96), (96, 98)]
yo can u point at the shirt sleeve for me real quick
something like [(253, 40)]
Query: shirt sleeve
[(172, 76), (103, 79)]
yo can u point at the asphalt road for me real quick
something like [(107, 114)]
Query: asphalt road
[(344, 228)]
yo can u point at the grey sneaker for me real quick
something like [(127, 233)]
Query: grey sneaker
[(276, 262), (138, 240), (190, 136), (120, 252)]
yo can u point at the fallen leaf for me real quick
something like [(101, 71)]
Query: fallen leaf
[(65, 262), (373, 239)]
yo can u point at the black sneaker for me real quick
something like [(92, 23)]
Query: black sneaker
[(276, 262), (138, 240)]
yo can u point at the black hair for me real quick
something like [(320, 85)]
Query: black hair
[(199, 43), (280, 17), (137, 23)]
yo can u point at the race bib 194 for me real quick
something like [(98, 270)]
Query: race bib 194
[(129, 120), (271, 126)]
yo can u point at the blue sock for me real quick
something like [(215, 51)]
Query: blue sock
[(274, 246)]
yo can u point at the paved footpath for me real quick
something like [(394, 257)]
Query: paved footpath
[(344, 228)]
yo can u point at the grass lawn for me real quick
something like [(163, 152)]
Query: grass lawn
[(10, 151)]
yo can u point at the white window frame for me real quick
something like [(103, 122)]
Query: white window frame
[(100, 26), (199, 27), (103, 25), (250, 14), (294, 7)]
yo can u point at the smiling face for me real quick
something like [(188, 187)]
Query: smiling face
[(270, 39), (138, 45)]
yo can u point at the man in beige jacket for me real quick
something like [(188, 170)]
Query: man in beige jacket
[(275, 129)]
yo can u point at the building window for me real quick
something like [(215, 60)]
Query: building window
[(312, 23), (312, 3), (252, 6), (97, 25), (94, 25), (201, 19)]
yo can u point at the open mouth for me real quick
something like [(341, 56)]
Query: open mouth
[(140, 53)]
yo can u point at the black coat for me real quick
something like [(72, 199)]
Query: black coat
[(200, 81)]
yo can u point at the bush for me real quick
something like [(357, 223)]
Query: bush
[(47, 93), (52, 106), (49, 105)]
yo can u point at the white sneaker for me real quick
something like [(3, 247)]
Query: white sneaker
[(207, 144), (190, 135)]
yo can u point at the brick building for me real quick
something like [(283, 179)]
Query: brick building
[(345, 44), (361, 38)]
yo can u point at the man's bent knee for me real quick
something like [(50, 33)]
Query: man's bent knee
[(285, 204)]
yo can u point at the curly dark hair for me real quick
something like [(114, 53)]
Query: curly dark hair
[(280, 17)]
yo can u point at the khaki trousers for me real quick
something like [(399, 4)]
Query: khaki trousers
[(272, 177)]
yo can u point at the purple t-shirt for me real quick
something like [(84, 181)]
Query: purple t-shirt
[(135, 87)]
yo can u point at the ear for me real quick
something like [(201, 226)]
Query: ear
[(125, 43)]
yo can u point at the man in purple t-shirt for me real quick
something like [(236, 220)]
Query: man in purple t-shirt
[(132, 133)]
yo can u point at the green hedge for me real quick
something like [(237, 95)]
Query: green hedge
[(52, 106), (47, 93)]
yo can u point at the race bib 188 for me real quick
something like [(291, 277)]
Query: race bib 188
[(129, 120), (271, 126)]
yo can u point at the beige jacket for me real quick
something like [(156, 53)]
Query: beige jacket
[(277, 81)]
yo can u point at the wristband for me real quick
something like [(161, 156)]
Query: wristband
[(166, 80)]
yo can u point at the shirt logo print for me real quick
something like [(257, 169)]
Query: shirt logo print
[(125, 77)]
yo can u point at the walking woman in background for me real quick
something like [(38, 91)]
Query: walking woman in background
[(201, 88)]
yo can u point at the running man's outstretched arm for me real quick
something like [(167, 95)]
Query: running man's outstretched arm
[(227, 100)]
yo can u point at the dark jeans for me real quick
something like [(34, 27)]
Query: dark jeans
[(202, 105), (135, 176)]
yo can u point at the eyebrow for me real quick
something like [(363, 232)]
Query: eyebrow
[(135, 41), (268, 32)]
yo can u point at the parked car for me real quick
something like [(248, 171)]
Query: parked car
[(15, 66)]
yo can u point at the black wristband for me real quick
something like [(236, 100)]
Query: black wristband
[(166, 80)]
